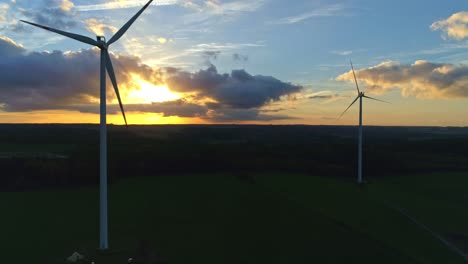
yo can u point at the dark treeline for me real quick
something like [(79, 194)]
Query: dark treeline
[(45, 156)]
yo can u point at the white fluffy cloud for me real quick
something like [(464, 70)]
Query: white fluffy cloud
[(66, 5), (421, 79), (456, 26), (99, 28)]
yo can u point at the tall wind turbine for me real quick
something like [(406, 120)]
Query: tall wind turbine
[(105, 64), (359, 96)]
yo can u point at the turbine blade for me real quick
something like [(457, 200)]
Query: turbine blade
[(348, 107), (376, 99), (127, 25), (110, 71), (354, 74), (80, 38)]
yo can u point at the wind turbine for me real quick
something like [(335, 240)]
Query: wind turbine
[(359, 96), (106, 63)]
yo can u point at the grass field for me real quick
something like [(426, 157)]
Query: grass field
[(221, 219)]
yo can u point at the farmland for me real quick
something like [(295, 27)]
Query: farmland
[(236, 194)]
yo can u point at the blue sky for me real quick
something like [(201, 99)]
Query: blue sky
[(307, 44)]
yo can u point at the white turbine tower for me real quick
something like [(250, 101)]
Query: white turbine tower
[(359, 96), (105, 64)]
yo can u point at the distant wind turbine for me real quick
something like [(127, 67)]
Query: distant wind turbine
[(359, 96), (105, 64)]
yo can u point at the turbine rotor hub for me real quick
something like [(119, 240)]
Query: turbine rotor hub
[(102, 42)]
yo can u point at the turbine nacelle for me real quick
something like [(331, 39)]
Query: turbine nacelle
[(102, 44)]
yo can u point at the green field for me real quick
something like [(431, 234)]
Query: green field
[(221, 219)]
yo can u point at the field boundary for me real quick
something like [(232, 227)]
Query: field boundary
[(444, 241)]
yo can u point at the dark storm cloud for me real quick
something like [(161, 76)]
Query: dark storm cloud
[(236, 90)]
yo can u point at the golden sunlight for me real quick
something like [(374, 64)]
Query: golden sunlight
[(150, 93)]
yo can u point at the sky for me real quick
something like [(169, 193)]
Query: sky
[(238, 61)]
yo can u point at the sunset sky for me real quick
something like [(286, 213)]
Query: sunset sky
[(238, 61)]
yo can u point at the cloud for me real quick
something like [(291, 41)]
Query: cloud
[(223, 46), (162, 40), (66, 5), (211, 55), (3, 11), (180, 108), (203, 48), (99, 28), (191, 5), (230, 114), (236, 90), (327, 11), (212, 13), (69, 81), (183, 108), (321, 96), (58, 80), (234, 6), (53, 13), (342, 52), (9, 48), (240, 57), (422, 79), (123, 4), (456, 26)]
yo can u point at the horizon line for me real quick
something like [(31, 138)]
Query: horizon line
[(235, 124)]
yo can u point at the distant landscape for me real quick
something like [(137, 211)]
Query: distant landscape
[(47, 156)]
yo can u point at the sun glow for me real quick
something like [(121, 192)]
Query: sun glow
[(149, 93)]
